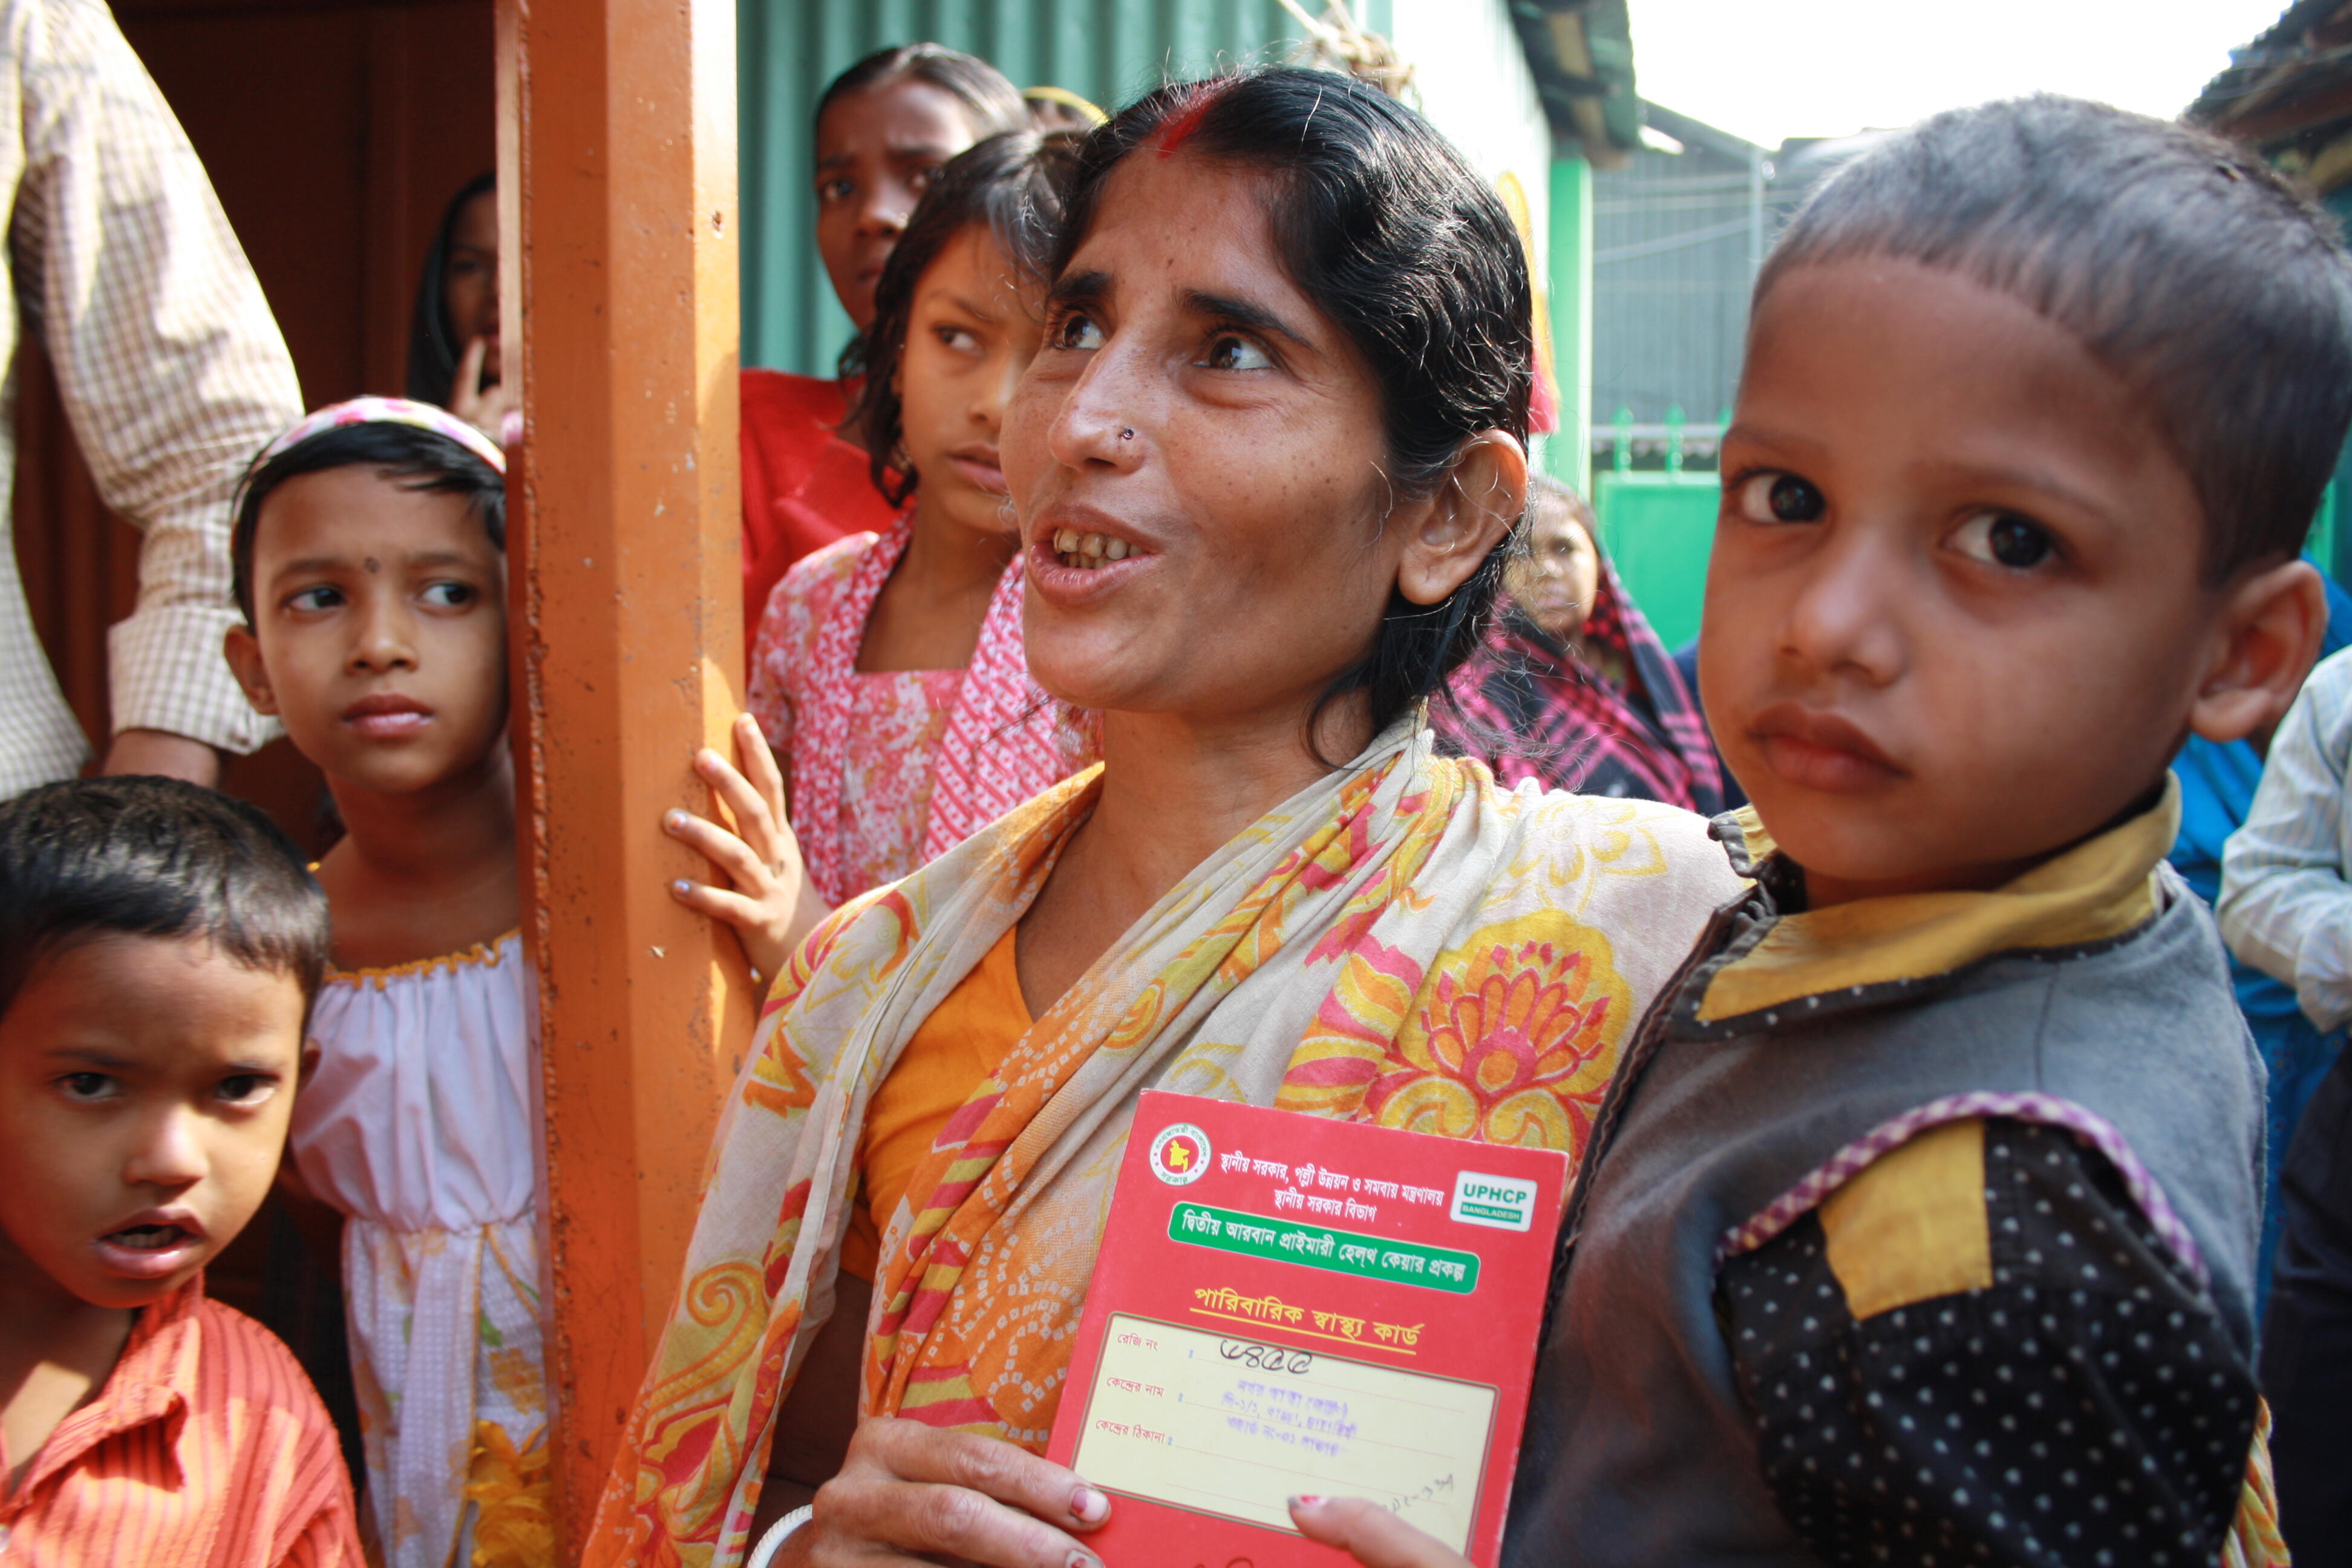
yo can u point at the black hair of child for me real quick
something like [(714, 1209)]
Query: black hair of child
[(2215, 287), (87, 859), (1396, 239), (989, 99), (407, 455), (1012, 184)]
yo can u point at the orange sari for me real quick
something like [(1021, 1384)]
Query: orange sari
[(1400, 943)]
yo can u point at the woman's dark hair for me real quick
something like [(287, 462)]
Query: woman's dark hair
[(1391, 234), (990, 103), (153, 858), (407, 455), (1010, 183), (432, 345)]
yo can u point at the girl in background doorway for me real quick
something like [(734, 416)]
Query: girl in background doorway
[(454, 358), (889, 667), (368, 556), (885, 127)]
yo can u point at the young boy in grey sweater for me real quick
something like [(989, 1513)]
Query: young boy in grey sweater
[(1919, 1224)]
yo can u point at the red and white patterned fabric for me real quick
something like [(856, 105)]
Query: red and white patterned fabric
[(1003, 740)]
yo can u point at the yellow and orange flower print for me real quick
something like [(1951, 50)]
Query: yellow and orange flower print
[(1508, 1038)]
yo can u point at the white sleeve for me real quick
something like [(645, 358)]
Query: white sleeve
[(2286, 907)]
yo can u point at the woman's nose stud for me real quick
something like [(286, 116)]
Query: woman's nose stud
[(1126, 434)]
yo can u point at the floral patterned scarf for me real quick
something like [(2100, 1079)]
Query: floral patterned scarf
[(1400, 943), (1005, 738)]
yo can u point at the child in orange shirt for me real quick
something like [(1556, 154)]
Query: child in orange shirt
[(160, 949)]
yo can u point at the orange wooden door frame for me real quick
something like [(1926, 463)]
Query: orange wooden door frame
[(617, 159)]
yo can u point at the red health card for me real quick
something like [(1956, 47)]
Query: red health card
[(1287, 1305)]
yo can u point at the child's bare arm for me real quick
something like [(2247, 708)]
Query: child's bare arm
[(768, 901)]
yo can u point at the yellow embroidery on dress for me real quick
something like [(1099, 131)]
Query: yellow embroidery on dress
[(1509, 1032), (1913, 1226), (516, 1374), (509, 1488), (487, 954)]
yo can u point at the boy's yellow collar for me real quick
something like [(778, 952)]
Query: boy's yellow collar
[(2100, 888)]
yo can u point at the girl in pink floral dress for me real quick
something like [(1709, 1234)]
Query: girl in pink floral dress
[(888, 669)]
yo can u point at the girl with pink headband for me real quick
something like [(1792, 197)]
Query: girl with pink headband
[(369, 558)]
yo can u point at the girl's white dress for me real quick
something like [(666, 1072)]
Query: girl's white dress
[(419, 1123)]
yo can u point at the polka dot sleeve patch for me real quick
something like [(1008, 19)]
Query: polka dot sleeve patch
[(2087, 1407)]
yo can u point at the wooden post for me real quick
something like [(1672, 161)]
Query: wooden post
[(617, 165)]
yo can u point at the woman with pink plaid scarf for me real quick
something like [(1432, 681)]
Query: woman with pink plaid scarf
[(1571, 689)]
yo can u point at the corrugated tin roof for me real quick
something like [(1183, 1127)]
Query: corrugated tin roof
[(2289, 92), (1581, 55)]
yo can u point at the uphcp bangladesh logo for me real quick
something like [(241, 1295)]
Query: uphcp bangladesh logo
[(1180, 1155)]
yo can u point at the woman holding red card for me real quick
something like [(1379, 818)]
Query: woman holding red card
[(1266, 465)]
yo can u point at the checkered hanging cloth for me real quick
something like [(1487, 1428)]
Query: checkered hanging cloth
[(1533, 709)]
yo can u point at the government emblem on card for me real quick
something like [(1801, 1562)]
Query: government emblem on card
[(1180, 1154)]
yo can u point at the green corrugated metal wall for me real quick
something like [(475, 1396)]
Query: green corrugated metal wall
[(1109, 50)]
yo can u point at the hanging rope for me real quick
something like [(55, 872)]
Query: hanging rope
[(1336, 41)]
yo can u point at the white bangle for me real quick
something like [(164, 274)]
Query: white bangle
[(763, 1554)]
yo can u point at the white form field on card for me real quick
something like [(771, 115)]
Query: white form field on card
[(1236, 1426)]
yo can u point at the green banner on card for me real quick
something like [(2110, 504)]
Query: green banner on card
[(1320, 1246)]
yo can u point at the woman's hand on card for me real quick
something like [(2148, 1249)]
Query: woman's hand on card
[(1370, 1533), (767, 897), (912, 1493)]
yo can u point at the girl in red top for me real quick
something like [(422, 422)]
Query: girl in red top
[(884, 129)]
